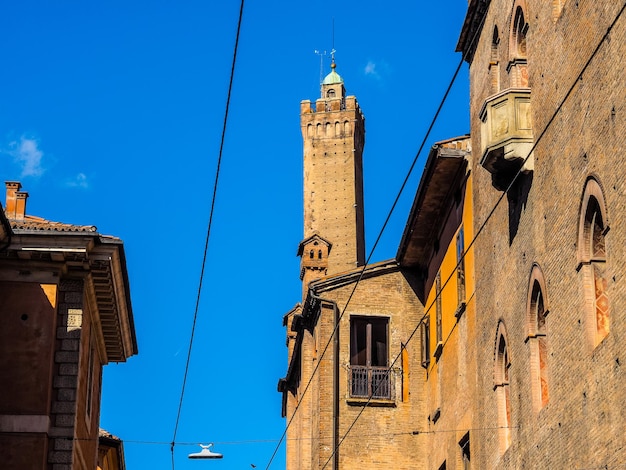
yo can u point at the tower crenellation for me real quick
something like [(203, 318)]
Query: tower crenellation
[(333, 133)]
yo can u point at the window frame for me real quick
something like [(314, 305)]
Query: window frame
[(371, 380), (502, 365), (593, 265), (537, 337)]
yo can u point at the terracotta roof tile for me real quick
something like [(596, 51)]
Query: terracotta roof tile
[(108, 435), (37, 224)]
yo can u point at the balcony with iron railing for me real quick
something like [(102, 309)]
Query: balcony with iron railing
[(374, 382)]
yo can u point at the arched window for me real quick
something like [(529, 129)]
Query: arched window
[(537, 338), (520, 27), (494, 62), (592, 258), (517, 67), (501, 387), (330, 93)]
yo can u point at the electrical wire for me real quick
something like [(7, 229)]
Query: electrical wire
[(265, 441), (208, 232), (490, 214)]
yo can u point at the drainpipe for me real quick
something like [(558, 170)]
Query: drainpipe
[(336, 344), (336, 389)]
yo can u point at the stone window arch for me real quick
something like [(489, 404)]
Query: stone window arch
[(518, 34), (592, 261), (330, 93), (518, 66), (537, 337), (494, 62), (502, 365)]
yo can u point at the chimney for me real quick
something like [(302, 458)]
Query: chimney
[(16, 201)]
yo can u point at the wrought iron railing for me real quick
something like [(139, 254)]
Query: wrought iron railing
[(375, 382)]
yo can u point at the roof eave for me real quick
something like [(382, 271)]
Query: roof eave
[(440, 173), (472, 26)]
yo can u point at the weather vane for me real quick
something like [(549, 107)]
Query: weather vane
[(322, 54)]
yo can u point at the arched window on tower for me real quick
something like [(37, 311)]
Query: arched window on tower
[(501, 387), (518, 67), (537, 338), (592, 257), (330, 93)]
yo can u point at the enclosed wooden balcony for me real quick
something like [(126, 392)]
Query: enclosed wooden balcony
[(506, 135)]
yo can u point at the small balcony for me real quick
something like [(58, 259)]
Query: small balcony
[(506, 135), (372, 382)]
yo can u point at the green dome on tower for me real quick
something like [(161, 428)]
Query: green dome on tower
[(333, 77)]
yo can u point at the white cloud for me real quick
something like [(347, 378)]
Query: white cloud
[(79, 181), (378, 70), (27, 154), (370, 69)]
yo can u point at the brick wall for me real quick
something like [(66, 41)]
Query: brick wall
[(381, 432), (582, 424)]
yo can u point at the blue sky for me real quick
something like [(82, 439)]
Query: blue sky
[(111, 115)]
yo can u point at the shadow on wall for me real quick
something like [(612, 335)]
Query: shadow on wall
[(518, 198)]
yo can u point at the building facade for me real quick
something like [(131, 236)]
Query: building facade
[(435, 247), (547, 99), (496, 337), (66, 312)]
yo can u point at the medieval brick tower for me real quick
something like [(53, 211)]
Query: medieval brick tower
[(334, 134)]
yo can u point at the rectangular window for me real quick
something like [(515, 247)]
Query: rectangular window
[(438, 307), (90, 372), (439, 319), (369, 357), (460, 260), (426, 342)]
